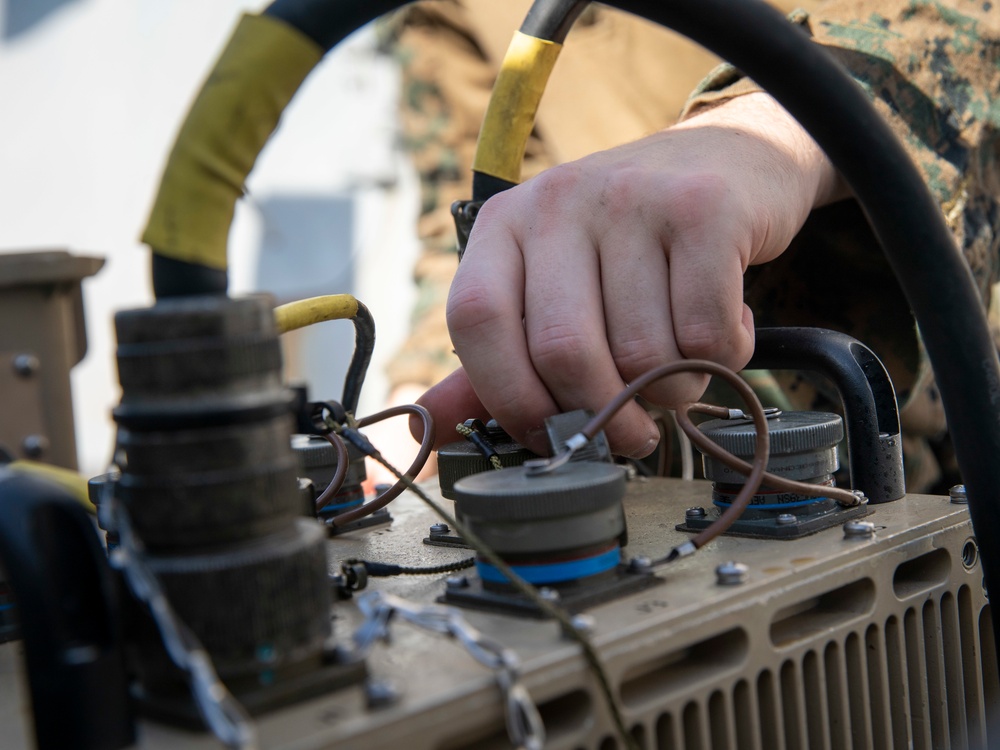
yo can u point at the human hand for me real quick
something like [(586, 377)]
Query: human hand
[(583, 278)]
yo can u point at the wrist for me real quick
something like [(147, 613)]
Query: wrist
[(758, 114)]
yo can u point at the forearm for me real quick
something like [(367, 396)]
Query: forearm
[(926, 68)]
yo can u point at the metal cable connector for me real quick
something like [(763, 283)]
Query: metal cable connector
[(223, 714)]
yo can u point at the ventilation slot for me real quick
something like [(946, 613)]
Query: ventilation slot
[(922, 574), (666, 737), (922, 680), (679, 671), (807, 619), (694, 728)]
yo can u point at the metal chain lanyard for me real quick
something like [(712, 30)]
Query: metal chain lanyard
[(524, 724)]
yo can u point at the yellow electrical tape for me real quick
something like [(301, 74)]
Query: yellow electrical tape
[(510, 115), (305, 312), (69, 480), (230, 121)]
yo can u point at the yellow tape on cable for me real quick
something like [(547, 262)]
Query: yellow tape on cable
[(235, 113), (510, 115), (306, 312)]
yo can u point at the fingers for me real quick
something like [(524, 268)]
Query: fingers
[(567, 339), (558, 359), (485, 312), (710, 320), (637, 310)]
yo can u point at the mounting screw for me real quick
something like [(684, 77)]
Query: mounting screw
[(35, 445), (640, 564), (861, 496), (549, 595), (457, 582), (694, 513), (859, 530), (731, 574), (440, 528), (26, 365), (957, 495), (583, 624), (786, 519), (380, 694)]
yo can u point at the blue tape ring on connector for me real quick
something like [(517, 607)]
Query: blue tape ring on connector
[(778, 506), (341, 506), (554, 572)]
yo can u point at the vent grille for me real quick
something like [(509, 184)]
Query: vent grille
[(922, 680)]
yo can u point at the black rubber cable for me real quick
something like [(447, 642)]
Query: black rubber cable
[(553, 19), (178, 278), (327, 22), (384, 570), (364, 346)]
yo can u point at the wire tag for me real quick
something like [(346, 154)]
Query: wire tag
[(524, 723)]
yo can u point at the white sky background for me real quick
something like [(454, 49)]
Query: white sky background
[(91, 97)]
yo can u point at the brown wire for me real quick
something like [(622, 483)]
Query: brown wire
[(762, 443), (773, 481), (426, 442), (343, 461)]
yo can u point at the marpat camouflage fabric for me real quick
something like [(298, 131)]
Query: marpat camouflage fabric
[(933, 71)]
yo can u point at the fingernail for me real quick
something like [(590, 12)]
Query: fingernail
[(648, 447)]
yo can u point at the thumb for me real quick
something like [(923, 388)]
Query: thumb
[(450, 402)]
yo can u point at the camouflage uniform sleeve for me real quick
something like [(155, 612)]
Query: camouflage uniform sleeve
[(447, 79), (931, 69)]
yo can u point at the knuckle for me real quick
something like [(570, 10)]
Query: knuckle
[(560, 347), (697, 198), (548, 191), (472, 307), (634, 358), (702, 340)]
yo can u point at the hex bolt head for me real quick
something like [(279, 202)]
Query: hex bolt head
[(457, 582), (26, 365), (695, 513), (440, 528), (380, 694), (957, 495), (859, 530), (640, 564), (35, 445), (786, 519), (584, 624), (731, 574), (549, 595)]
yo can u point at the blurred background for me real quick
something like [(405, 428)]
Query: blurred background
[(92, 93)]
